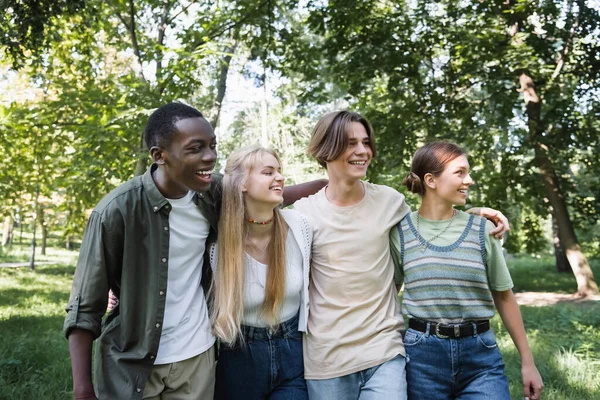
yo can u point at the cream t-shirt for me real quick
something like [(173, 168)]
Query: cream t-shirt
[(354, 322)]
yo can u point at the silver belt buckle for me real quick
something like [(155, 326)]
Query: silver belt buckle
[(456, 331), (438, 334)]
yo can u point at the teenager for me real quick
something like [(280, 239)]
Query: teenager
[(454, 273), (261, 283), (353, 347)]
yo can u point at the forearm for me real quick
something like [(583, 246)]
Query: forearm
[(80, 349), (293, 193), (508, 309)]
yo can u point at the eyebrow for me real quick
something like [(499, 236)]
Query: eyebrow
[(271, 167)]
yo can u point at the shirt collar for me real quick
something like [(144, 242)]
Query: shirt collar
[(157, 200)]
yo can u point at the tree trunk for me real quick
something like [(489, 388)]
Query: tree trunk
[(44, 230), (68, 242), (222, 85), (142, 161), (35, 208), (562, 263), (586, 285), (7, 231)]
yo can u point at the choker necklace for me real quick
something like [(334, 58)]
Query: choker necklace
[(424, 243), (253, 221)]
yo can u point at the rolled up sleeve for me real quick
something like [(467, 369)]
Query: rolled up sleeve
[(89, 294)]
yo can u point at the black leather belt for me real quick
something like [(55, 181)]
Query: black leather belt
[(446, 331)]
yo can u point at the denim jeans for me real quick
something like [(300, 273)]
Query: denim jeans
[(386, 381), (466, 368), (268, 366)]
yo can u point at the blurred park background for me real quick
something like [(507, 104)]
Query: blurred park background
[(516, 82)]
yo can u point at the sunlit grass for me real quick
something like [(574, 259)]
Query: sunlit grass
[(539, 275)]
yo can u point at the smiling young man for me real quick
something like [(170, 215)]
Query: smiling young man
[(145, 240)]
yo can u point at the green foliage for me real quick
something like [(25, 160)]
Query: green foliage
[(27, 26), (429, 70)]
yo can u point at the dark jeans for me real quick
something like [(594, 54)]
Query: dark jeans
[(268, 366)]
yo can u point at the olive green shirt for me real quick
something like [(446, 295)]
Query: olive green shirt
[(126, 248)]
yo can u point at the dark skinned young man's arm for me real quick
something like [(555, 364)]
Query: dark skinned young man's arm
[(80, 349), (293, 193)]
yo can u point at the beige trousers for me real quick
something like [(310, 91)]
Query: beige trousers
[(191, 379)]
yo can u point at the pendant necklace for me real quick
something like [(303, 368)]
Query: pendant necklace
[(424, 243)]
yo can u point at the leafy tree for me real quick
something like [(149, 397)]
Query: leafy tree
[(442, 69)]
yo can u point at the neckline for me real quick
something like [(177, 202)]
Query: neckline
[(182, 201), (435, 247), (350, 207)]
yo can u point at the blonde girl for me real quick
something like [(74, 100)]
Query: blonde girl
[(261, 265)]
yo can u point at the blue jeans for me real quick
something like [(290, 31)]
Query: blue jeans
[(268, 366), (386, 381), (466, 368)]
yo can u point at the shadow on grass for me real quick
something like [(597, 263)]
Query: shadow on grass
[(57, 270), (34, 359)]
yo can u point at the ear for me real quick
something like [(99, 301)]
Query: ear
[(429, 180), (244, 188), (157, 155)]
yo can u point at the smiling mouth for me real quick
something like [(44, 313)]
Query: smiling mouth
[(357, 162), (206, 174), (464, 191), (276, 188)]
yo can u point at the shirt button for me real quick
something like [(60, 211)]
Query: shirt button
[(167, 206), (138, 390), (155, 208), (163, 259), (201, 195), (161, 293), (152, 357), (166, 228), (158, 325)]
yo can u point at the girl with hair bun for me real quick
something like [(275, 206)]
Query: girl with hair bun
[(260, 291), (453, 274)]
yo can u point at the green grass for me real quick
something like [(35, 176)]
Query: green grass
[(539, 275), (34, 357), (21, 253)]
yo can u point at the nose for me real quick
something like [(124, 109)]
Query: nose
[(468, 180), (360, 148), (209, 155), (279, 177)]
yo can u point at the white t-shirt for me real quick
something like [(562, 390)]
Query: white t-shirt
[(256, 280), (354, 321), (186, 328)]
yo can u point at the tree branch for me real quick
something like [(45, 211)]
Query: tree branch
[(136, 48), (565, 51), (180, 12), (161, 36)]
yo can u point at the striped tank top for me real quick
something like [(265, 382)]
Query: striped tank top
[(446, 284)]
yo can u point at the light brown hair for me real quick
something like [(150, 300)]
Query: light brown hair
[(329, 138), (431, 158)]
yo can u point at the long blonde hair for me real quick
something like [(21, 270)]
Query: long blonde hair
[(228, 287)]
